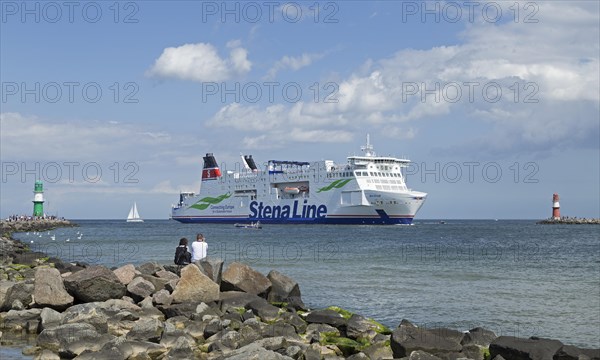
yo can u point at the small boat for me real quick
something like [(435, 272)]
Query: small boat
[(252, 225), (134, 216), (291, 190)]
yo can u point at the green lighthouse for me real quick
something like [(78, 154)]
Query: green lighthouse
[(38, 199)]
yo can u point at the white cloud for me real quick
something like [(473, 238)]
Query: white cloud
[(554, 62), (293, 63), (201, 62)]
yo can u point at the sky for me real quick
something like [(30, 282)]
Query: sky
[(496, 103)]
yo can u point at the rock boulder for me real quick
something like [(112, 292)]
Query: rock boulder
[(49, 289), (194, 286), (241, 277), (96, 283)]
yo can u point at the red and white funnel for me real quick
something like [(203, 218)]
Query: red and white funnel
[(210, 170)]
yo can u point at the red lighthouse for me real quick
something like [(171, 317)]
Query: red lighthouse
[(555, 207)]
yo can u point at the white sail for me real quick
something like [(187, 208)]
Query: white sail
[(134, 216)]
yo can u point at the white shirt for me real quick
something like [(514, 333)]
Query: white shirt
[(199, 249)]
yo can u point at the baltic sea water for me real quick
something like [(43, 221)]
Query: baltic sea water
[(514, 277)]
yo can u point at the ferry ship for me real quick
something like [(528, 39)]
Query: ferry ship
[(368, 189)]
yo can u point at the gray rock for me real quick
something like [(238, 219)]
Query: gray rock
[(4, 286), (328, 317), (358, 356), (106, 353), (162, 297), (147, 303), (533, 348), (263, 309), (569, 352), (17, 305), (171, 285), (146, 329), (294, 352), (96, 283), (47, 355), (422, 355), (236, 299), (135, 349), (241, 277), (193, 286), (175, 269), (214, 326), (407, 338), (167, 275), (150, 268), (479, 336), (280, 329), (49, 289), (17, 320), (21, 291), (187, 309), (139, 288), (359, 325), (231, 339), (249, 333), (255, 351), (57, 339), (379, 351), (284, 289), (158, 283), (126, 273), (78, 347), (180, 350), (90, 313), (296, 321), (50, 318), (213, 268)]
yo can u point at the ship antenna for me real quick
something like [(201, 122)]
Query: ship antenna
[(368, 149)]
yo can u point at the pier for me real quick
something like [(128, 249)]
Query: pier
[(567, 220)]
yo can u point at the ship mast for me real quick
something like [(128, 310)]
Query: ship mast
[(368, 149)]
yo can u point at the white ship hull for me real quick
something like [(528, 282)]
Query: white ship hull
[(367, 190)]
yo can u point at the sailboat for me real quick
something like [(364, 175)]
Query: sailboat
[(134, 216)]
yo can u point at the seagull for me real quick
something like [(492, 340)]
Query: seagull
[(79, 237), (69, 239), (31, 241), (53, 237)]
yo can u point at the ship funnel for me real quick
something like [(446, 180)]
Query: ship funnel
[(210, 170), (250, 161)]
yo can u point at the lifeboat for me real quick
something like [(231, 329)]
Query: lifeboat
[(291, 190)]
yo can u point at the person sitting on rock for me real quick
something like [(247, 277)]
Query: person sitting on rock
[(199, 248), (182, 255)]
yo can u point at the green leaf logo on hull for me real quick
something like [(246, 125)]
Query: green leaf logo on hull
[(336, 184), (204, 203)]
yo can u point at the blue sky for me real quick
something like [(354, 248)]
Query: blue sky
[(497, 103)]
